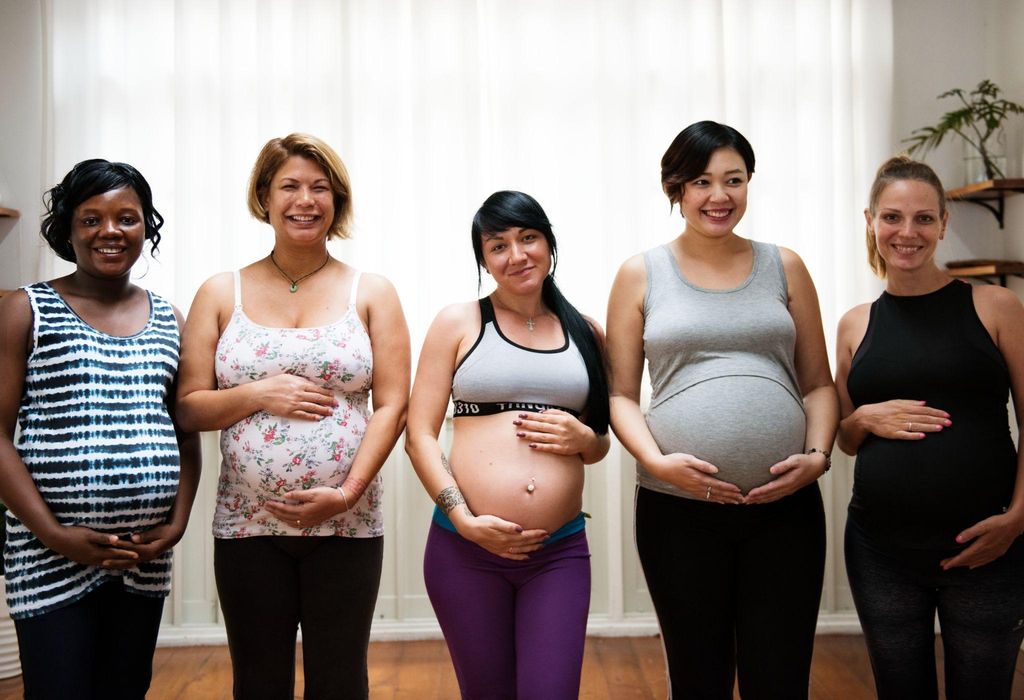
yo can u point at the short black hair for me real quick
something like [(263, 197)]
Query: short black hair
[(88, 179), (691, 151), (509, 209)]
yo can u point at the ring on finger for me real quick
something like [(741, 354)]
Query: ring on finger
[(707, 496), (910, 427)]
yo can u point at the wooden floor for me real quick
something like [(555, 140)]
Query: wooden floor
[(615, 668)]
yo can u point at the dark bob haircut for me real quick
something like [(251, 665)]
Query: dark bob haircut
[(691, 151), (507, 209), (88, 179)]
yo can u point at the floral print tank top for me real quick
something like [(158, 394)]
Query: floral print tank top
[(265, 456)]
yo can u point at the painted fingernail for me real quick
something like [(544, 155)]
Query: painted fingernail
[(520, 434), (949, 422), (518, 529), (533, 446), (522, 415), (517, 422)]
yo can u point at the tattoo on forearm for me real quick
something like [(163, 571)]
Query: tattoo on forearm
[(444, 463), (449, 498)]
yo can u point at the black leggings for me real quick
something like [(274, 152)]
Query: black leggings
[(736, 590), (268, 586), (100, 647), (981, 613)]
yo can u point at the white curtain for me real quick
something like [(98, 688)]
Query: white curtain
[(435, 104)]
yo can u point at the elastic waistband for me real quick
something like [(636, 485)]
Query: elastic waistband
[(490, 408), (577, 524)]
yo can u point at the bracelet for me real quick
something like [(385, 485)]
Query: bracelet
[(828, 457), (344, 497)]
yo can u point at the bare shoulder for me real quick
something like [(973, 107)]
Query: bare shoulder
[(791, 261), (853, 325), (634, 269), (15, 311), (991, 298), (372, 285), (457, 319), (217, 289)]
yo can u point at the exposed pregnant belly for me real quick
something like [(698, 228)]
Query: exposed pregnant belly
[(493, 468), (742, 425)]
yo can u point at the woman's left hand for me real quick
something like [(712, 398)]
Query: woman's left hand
[(791, 475), (153, 542), (307, 508), (554, 431), (992, 537)]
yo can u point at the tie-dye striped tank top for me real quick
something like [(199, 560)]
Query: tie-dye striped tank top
[(99, 443)]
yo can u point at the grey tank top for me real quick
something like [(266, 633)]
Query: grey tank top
[(498, 375), (722, 372)]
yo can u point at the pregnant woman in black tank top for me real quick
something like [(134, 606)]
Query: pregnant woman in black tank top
[(923, 376)]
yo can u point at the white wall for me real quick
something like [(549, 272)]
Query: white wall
[(938, 44), (22, 150)]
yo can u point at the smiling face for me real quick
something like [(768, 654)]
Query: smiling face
[(519, 259), (907, 224), (300, 202), (715, 201), (107, 233)]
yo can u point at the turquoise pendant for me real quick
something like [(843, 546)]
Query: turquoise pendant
[(294, 288)]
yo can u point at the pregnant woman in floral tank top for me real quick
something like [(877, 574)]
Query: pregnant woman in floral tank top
[(285, 357)]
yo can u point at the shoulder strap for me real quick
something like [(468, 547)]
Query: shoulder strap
[(238, 288), (353, 293), (486, 312)]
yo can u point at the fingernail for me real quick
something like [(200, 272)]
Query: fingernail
[(517, 422), (518, 529), (520, 434), (949, 422), (533, 445), (522, 415)]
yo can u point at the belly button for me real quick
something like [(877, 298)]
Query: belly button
[(530, 487)]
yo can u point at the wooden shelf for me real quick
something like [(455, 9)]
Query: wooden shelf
[(988, 270), (981, 193), (12, 213)]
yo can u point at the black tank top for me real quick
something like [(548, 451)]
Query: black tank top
[(921, 493)]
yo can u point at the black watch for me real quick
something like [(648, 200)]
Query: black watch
[(828, 456)]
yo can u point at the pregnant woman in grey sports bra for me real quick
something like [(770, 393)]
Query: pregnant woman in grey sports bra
[(506, 565), (743, 413)]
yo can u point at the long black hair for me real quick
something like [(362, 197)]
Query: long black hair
[(86, 180), (507, 209)]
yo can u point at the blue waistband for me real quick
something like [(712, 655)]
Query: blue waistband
[(575, 525)]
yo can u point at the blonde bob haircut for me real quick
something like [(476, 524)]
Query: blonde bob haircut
[(273, 156), (893, 170)]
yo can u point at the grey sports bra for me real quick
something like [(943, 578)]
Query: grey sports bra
[(498, 375)]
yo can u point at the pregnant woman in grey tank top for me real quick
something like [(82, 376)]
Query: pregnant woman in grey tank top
[(743, 414)]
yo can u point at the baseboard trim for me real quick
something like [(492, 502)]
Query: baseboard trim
[(410, 630)]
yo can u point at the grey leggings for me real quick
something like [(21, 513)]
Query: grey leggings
[(981, 614)]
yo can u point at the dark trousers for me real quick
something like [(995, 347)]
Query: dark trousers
[(269, 586), (981, 614), (736, 590), (515, 629), (98, 648)]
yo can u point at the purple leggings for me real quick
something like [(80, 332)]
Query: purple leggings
[(515, 629)]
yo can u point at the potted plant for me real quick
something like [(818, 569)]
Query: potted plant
[(979, 122)]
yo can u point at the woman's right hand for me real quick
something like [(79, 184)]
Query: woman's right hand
[(694, 476), (501, 537), (289, 396), (901, 419), (86, 546)]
